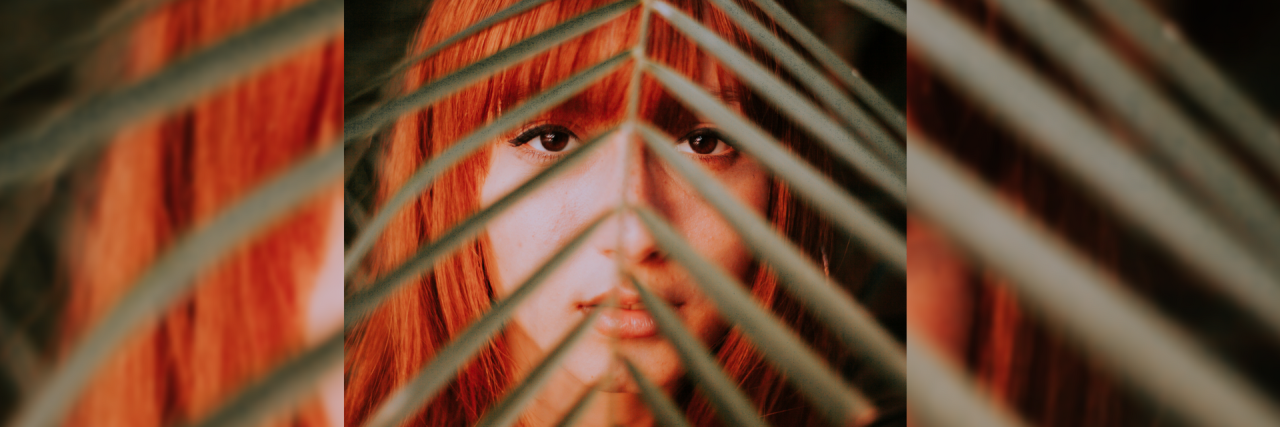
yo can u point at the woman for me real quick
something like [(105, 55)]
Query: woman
[(402, 336), (260, 304)]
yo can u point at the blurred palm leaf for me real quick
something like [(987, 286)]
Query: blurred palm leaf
[(1159, 187), (35, 157), (43, 150)]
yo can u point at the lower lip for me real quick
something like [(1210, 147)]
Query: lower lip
[(626, 324)]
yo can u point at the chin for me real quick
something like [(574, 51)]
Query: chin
[(654, 357), (620, 381), (596, 361)]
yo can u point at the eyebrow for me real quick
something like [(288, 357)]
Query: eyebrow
[(730, 95)]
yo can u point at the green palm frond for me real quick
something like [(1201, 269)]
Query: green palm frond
[(45, 150), (579, 408), (399, 67), (1198, 161), (434, 91), (664, 410), (172, 277), (1123, 331), (840, 207), (1197, 76), (1082, 147), (506, 412), (950, 399), (733, 407), (839, 403), (35, 158), (852, 324), (792, 103), (280, 390), (409, 399), (1178, 187), (842, 71), (366, 301), (468, 145), (82, 44)]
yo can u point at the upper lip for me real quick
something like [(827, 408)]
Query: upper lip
[(628, 299)]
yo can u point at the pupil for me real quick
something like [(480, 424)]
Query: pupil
[(703, 144), (554, 141)]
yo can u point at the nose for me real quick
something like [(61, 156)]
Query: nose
[(632, 243), (635, 182)]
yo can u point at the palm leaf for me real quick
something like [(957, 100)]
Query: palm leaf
[(838, 311), (665, 411), (841, 208), (579, 408), (830, 95), (883, 11), (1157, 184), (468, 145), (832, 62), (1196, 76), (358, 305), (19, 358), (502, 15), (45, 150), (837, 402), (505, 412), (387, 112), (281, 389), (80, 45), (1078, 145), (172, 276), (1125, 333), (734, 407), (1177, 141), (408, 399), (942, 396), (790, 102)]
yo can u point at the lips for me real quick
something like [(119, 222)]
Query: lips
[(629, 319), (626, 324)]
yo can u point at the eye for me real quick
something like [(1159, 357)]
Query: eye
[(705, 141), (547, 138)]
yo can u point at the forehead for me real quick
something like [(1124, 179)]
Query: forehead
[(605, 103), (606, 99), (602, 103)]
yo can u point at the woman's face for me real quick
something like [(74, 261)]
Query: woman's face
[(531, 231)]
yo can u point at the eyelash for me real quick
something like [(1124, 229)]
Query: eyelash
[(714, 161), (540, 157)]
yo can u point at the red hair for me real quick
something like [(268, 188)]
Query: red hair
[(399, 338), (161, 178)]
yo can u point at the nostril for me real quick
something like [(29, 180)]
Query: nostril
[(654, 256)]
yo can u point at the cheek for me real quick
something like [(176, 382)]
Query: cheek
[(523, 235), (710, 234)]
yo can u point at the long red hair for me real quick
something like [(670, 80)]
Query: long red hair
[(164, 177), (397, 340)]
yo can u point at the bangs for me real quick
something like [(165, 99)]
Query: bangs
[(604, 102)]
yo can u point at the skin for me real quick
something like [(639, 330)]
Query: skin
[(535, 228), (323, 315), (939, 302)]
